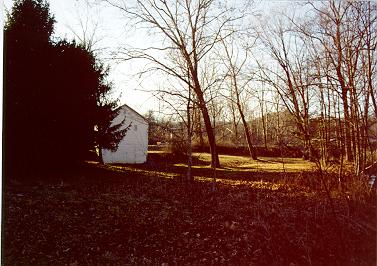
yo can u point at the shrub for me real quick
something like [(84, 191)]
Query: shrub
[(178, 147)]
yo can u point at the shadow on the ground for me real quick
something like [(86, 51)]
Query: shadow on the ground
[(123, 215), (176, 166)]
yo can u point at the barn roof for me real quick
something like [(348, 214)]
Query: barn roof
[(125, 106)]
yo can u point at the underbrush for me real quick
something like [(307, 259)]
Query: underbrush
[(354, 194), (355, 188)]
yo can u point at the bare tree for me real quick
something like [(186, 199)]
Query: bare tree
[(179, 107), (87, 29), (344, 32), (235, 61), (189, 29), (291, 78), (261, 97)]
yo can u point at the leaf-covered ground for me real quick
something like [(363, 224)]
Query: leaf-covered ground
[(124, 215)]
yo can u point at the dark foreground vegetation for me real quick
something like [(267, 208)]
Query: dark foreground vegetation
[(122, 215)]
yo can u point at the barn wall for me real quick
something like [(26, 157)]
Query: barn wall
[(133, 148)]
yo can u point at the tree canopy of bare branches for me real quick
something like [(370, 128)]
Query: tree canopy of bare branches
[(188, 31)]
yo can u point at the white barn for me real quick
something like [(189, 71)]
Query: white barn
[(133, 148)]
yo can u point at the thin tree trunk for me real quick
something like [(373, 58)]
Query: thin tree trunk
[(345, 89), (235, 125), (199, 131), (347, 127), (189, 147), (189, 139), (247, 133), (264, 127)]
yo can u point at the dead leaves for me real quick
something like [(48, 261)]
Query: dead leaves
[(143, 220)]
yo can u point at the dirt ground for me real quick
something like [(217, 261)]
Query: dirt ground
[(262, 213)]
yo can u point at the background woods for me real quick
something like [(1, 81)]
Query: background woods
[(302, 81)]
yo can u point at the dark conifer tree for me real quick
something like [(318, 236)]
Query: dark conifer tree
[(91, 107), (52, 96), (27, 50)]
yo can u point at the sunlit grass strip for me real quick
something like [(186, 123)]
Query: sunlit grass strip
[(254, 184), (244, 163), (270, 168)]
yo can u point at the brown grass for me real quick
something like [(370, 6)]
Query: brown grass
[(144, 214)]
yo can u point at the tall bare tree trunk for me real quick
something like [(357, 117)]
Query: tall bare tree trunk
[(247, 133), (235, 124), (261, 102), (189, 137), (215, 162)]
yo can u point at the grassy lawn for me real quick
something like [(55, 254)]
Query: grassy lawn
[(144, 214)]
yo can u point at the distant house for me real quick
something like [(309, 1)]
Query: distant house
[(133, 147)]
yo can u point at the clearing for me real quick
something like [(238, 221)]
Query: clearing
[(263, 213)]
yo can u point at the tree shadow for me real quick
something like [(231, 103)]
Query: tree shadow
[(177, 166)]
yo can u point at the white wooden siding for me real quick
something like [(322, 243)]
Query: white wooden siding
[(133, 148)]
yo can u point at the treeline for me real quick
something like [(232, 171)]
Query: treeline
[(54, 95), (277, 139), (315, 68)]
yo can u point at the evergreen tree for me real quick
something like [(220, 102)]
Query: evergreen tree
[(90, 108), (52, 96), (30, 24), (27, 50)]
